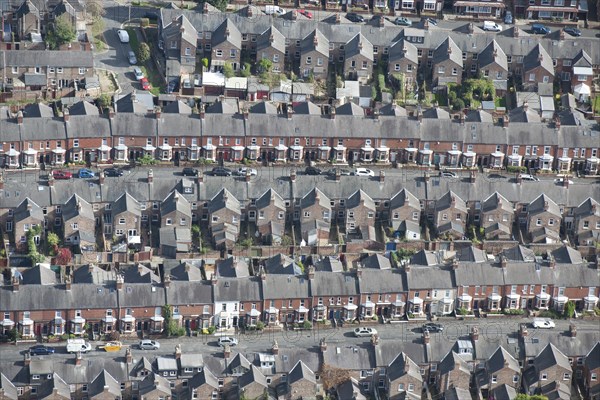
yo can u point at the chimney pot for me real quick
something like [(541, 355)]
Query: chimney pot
[(323, 345), (332, 113), (15, 284), (226, 351), (120, 282), (66, 115), (475, 333), (78, 358), (275, 348), (27, 359), (213, 279), (381, 176), (293, 175), (20, 117), (128, 356), (426, 337), (177, 351), (573, 330)]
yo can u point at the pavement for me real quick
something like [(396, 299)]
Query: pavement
[(494, 330)]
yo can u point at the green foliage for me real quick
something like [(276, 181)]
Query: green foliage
[(143, 53), (104, 101), (307, 325), (33, 253), (286, 240), (246, 71), (265, 65), (146, 160), (228, 70), (513, 312), (64, 336), (550, 314), (13, 335), (260, 326), (196, 230), (471, 93), (212, 330), (204, 62), (246, 243), (405, 253), (144, 22), (2, 253), (220, 4), (52, 239), (61, 32), (463, 311), (515, 169), (569, 310), (522, 396)]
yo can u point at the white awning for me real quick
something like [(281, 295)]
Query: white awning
[(411, 149), (515, 157), (59, 150), (581, 89), (26, 322), (383, 149), (340, 148), (104, 148), (542, 296), (398, 303), (253, 147), (350, 307), (281, 147), (148, 147), (7, 322), (546, 157), (497, 154), (128, 318), (78, 320), (208, 147), (165, 147), (13, 153), (157, 318), (108, 319), (591, 299), (58, 321), (583, 71), (494, 297), (253, 313), (296, 148), (30, 151), (469, 154), (272, 310), (324, 148), (426, 151), (367, 148), (592, 160), (564, 159), (454, 152), (447, 300), (561, 299), (513, 296), (237, 148), (465, 298), (302, 310), (368, 304), (417, 300), (121, 147)]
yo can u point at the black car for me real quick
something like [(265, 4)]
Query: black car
[(354, 17), (432, 21), (573, 31), (190, 172), (41, 350), (113, 172), (312, 171), (432, 328), (220, 171)]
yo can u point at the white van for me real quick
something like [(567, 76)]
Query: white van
[(123, 35), (270, 10), (78, 346), (491, 26)]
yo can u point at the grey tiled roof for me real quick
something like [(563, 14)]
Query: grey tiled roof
[(519, 253), (448, 50), (37, 110), (126, 203), (83, 108), (28, 208), (233, 267), (402, 365), (538, 56), (104, 381), (315, 40), (567, 255), (50, 58), (493, 53), (301, 372), (227, 32), (537, 206), (404, 49), (177, 107), (359, 45), (272, 37), (376, 261)]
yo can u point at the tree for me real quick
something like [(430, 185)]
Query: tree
[(63, 256), (332, 376), (104, 101), (95, 9), (52, 239), (264, 66), (522, 396), (220, 4), (569, 309), (61, 32), (228, 70), (204, 62), (143, 53)]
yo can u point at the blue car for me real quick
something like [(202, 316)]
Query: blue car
[(86, 173), (41, 350)]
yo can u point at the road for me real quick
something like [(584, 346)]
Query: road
[(490, 330)]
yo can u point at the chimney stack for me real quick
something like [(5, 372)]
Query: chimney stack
[(20, 117), (78, 358), (293, 175), (227, 33), (573, 330), (226, 351), (426, 337), (525, 106), (419, 114), (503, 261), (150, 176), (523, 330), (213, 279), (338, 175), (519, 178), (128, 356), (275, 348), (551, 261), (315, 40), (426, 24), (15, 284), (205, 8), (50, 180), (101, 177), (158, 112), (202, 111), (546, 206), (381, 23), (247, 176), (323, 345), (290, 111), (311, 272), (332, 113), (454, 262), (358, 272), (111, 114), (381, 176), (27, 359), (178, 351), (566, 181), (471, 28), (66, 115), (120, 282), (472, 176), (426, 176), (68, 283), (200, 177), (475, 333), (337, 18), (515, 32), (505, 121), (562, 34), (167, 282), (294, 15), (249, 12), (29, 206), (245, 113), (375, 340)]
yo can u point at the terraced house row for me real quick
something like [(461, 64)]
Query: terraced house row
[(230, 131), (277, 290), (314, 48), (432, 365)]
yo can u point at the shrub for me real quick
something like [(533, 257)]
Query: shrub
[(260, 325), (144, 22), (114, 335), (515, 169), (211, 330), (462, 311), (307, 325), (549, 314), (514, 312), (64, 336)]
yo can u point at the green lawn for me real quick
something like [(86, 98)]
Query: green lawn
[(596, 105), (149, 70)]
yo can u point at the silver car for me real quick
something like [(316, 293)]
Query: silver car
[(223, 340), (147, 344), (131, 57)]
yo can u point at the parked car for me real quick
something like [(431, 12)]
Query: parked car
[(78, 346), (131, 57), (137, 71), (187, 171), (312, 171), (85, 173), (448, 174), (491, 26), (41, 350), (145, 84), (306, 13), (364, 331), (61, 174), (354, 17), (543, 323), (220, 171), (363, 172), (342, 171), (274, 10), (242, 171), (573, 31), (508, 18), (223, 340), (123, 35), (113, 172), (540, 29), (148, 344), (528, 177), (432, 21), (403, 21), (432, 327), (561, 181)]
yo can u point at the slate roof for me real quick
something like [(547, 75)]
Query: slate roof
[(186, 271), (224, 200), (177, 107), (392, 110), (582, 59), (479, 116), (84, 108), (233, 267), (538, 57), (567, 255), (50, 58), (430, 278), (234, 289), (93, 274), (550, 357), (501, 359), (402, 365), (493, 53), (314, 196), (376, 261), (192, 292), (307, 108), (329, 264), (132, 103), (589, 207), (8, 390), (41, 274), (126, 203), (176, 202), (448, 49), (455, 393), (453, 361), (445, 202), (350, 108), (55, 387), (566, 344), (351, 357), (269, 196), (592, 359), (204, 377), (227, 32), (504, 392), (359, 45), (537, 206), (38, 110), (301, 372), (334, 284), (138, 273), (282, 264), (77, 207), (403, 49), (404, 197), (425, 257), (264, 107), (104, 379), (220, 107), (285, 287), (519, 253), (315, 40), (272, 37), (154, 382), (252, 376), (471, 254), (495, 201), (28, 208)]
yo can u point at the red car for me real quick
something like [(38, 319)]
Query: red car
[(145, 84), (306, 13), (62, 175)]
